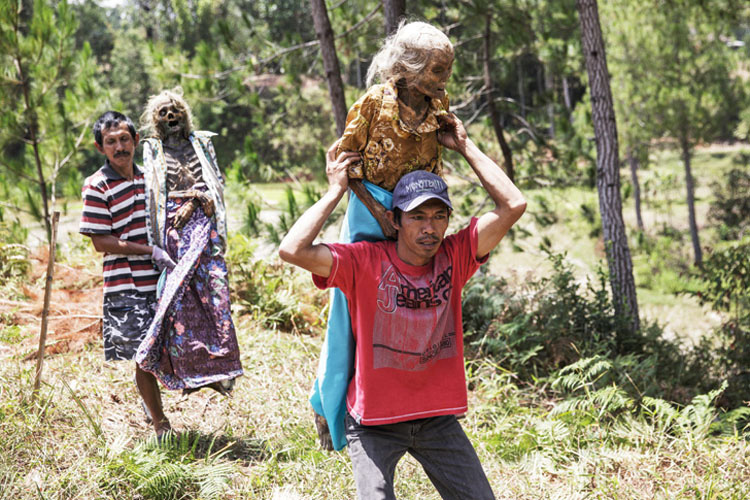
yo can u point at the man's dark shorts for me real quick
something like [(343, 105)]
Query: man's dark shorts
[(127, 317)]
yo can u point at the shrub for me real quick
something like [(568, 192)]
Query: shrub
[(553, 323), (270, 291), (726, 280), (174, 467), (725, 354), (14, 259), (660, 263), (730, 208)]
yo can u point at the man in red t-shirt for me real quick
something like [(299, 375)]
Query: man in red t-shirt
[(405, 303)]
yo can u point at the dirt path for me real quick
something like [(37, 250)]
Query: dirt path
[(74, 318)]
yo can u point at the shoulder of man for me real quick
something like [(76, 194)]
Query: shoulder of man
[(368, 249), (97, 180)]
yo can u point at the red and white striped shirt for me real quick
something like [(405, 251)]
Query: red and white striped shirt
[(116, 206)]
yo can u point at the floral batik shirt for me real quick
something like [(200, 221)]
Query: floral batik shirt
[(389, 148)]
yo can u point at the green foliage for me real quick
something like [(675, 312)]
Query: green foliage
[(251, 223), (592, 387), (725, 353), (697, 420), (742, 132), (730, 206), (291, 211), (14, 259), (551, 324), (548, 327), (49, 92), (661, 265), (590, 215), (726, 275), (270, 292), (694, 94), (170, 468)]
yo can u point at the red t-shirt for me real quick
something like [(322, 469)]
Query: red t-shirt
[(407, 327)]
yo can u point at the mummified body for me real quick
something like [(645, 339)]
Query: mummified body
[(184, 170), (192, 342)]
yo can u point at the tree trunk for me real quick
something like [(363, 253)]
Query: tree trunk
[(33, 123), (521, 87), (549, 86), (494, 115), (607, 168), (633, 163), (394, 11), (45, 309), (686, 159), (566, 95), (330, 62)]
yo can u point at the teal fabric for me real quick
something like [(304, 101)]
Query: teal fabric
[(336, 365)]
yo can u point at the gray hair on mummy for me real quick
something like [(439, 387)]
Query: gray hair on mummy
[(405, 53)]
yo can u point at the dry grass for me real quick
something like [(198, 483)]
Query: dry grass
[(51, 450)]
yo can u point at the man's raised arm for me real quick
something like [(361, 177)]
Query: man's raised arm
[(509, 202), (297, 246)]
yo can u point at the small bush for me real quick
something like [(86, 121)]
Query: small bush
[(730, 209), (14, 261), (725, 353), (552, 324), (660, 264), (270, 291), (555, 322)]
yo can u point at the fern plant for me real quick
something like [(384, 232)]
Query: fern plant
[(170, 468), (591, 390)]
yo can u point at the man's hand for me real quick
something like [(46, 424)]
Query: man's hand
[(452, 133), (162, 259), (337, 169)]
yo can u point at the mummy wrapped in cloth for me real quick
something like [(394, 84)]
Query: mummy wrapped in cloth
[(192, 342)]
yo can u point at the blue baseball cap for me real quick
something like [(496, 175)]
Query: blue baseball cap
[(417, 187)]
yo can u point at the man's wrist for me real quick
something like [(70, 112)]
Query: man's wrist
[(337, 191), (466, 146)]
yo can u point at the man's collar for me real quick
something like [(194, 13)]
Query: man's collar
[(114, 175), (389, 109)]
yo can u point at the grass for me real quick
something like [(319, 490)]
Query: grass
[(262, 443)]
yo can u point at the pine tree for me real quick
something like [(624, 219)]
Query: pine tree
[(49, 96)]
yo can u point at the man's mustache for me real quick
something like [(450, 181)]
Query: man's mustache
[(122, 153), (428, 239)]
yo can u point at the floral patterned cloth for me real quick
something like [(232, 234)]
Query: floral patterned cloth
[(389, 148), (192, 341)]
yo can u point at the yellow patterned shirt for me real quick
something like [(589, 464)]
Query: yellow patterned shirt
[(389, 148)]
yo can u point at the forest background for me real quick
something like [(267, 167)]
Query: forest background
[(571, 398)]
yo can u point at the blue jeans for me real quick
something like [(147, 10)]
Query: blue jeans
[(438, 443)]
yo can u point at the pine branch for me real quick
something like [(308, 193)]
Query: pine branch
[(282, 52)]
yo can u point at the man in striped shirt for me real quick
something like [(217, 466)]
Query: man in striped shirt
[(114, 217)]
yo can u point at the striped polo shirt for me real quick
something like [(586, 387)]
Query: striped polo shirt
[(116, 206)]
